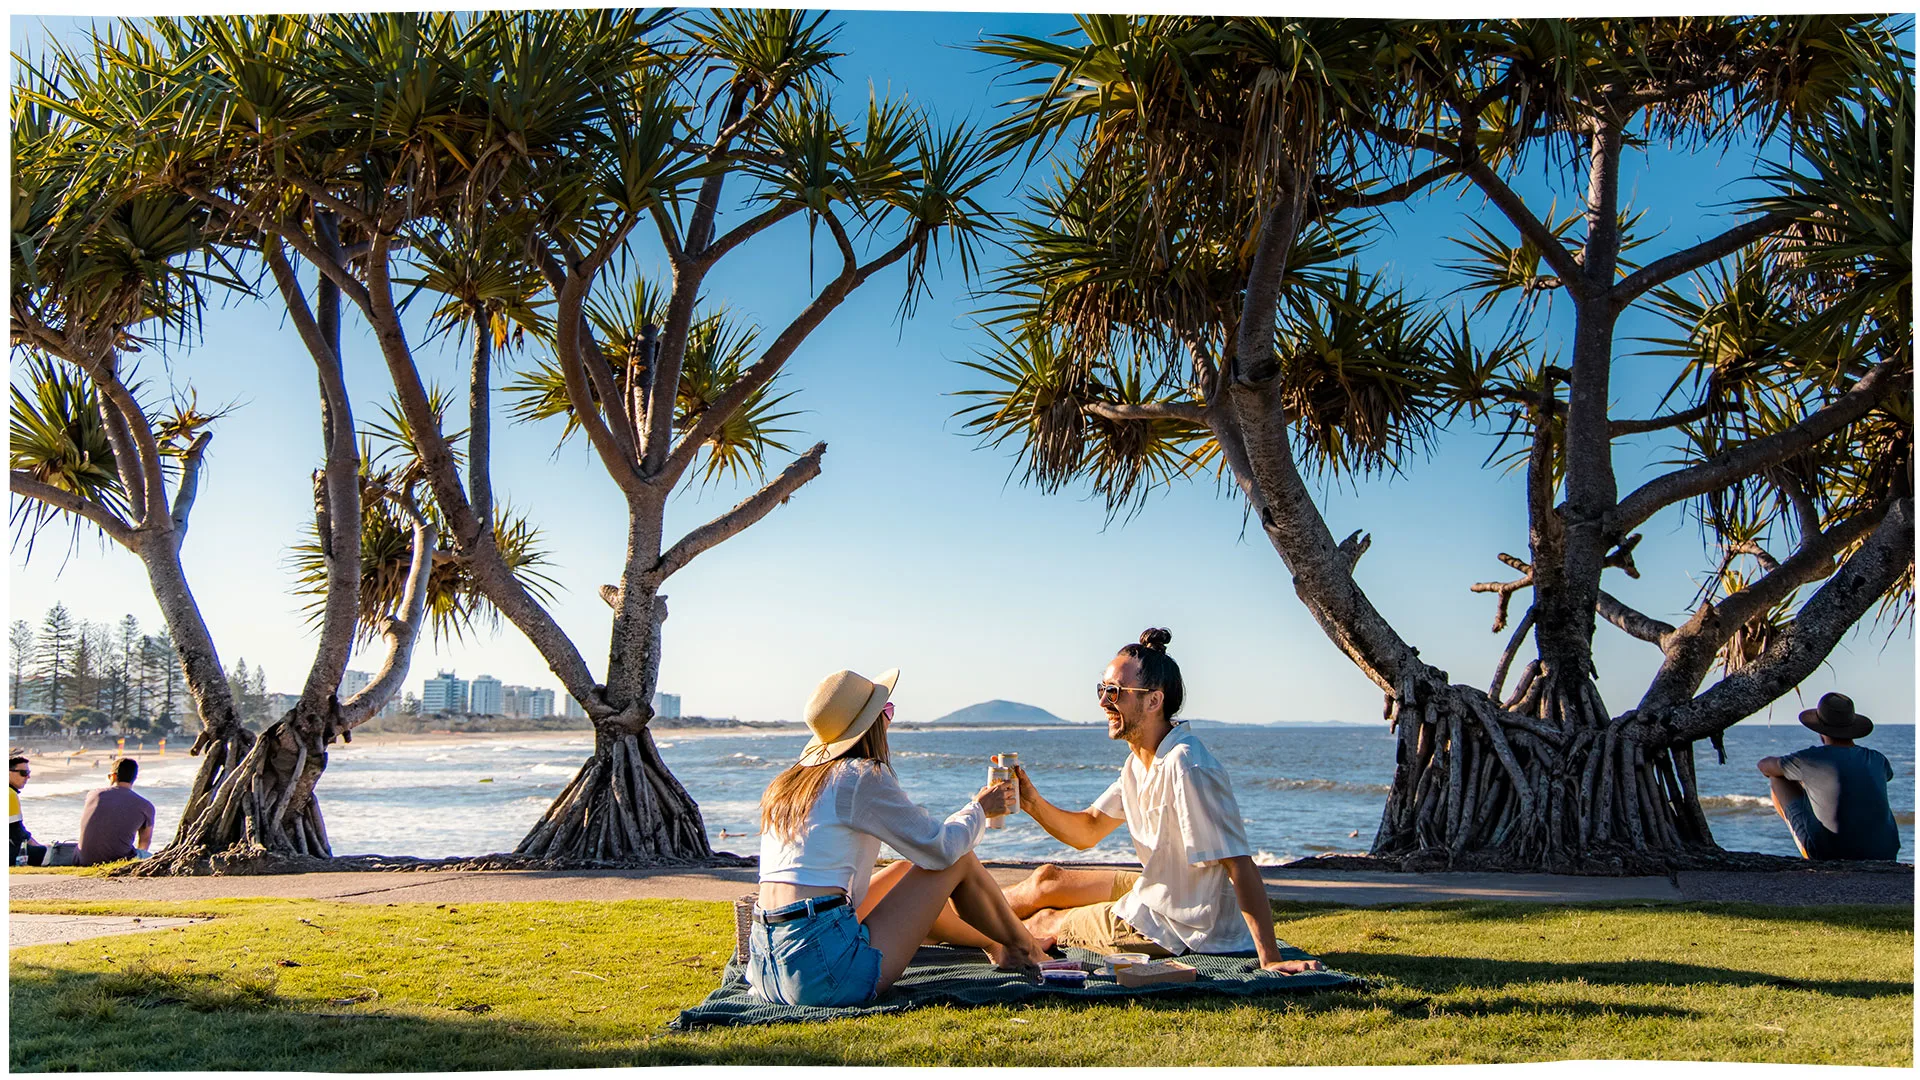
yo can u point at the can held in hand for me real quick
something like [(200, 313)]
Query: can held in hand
[(1008, 762), (995, 775)]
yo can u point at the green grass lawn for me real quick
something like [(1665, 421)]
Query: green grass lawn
[(312, 985)]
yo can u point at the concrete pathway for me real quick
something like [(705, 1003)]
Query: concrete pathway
[(58, 929), (1283, 883)]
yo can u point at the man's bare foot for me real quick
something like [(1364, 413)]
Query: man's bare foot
[(1294, 967)]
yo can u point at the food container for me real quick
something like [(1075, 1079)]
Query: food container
[(1062, 965), (1163, 971), (1065, 978), (1114, 963)]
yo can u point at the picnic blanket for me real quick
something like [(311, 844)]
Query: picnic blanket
[(949, 976)]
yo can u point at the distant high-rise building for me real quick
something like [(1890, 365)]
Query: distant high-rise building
[(444, 693), (513, 700), (484, 698), (278, 704), (352, 682), (572, 707), (539, 702), (666, 706)]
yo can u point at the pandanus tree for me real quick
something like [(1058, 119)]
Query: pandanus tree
[(725, 130), (520, 168), (1188, 294), (109, 262)]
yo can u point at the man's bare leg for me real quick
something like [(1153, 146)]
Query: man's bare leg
[(1051, 886), (1785, 791)]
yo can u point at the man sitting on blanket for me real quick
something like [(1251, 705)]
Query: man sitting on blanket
[(1198, 889)]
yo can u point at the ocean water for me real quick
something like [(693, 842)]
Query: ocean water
[(1302, 790)]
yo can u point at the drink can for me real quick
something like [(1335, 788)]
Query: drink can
[(995, 775), (1004, 771)]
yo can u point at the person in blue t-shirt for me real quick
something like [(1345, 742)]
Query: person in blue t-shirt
[(1833, 797)]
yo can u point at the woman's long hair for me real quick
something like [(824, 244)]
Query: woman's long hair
[(790, 798)]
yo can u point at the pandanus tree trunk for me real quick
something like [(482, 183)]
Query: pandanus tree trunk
[(267, 804), (623, 806), (1547, 779), (254, 797)]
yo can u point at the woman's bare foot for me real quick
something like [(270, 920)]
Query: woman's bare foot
[(1026, 963)]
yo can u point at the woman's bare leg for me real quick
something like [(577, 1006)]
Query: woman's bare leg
[(1049, 887), (880, 884), (953, 928), (900, 921)]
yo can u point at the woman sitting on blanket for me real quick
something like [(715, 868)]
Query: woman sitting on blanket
[(823, 932)]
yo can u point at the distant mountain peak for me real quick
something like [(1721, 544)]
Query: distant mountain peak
[(1001, 713)]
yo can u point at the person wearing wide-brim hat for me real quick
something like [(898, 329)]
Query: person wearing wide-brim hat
[(1833, 797), (829, 931)]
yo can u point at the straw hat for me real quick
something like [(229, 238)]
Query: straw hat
[(841, 710), (1835, 718)]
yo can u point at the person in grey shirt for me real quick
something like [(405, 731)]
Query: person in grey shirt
[(115, 823), (1833, 797)]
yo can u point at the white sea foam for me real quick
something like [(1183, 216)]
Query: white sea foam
[(1736, 804)]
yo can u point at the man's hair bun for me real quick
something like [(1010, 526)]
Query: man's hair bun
[(1156, 637)]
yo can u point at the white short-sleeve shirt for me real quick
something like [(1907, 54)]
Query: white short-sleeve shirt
[(1184, 822)]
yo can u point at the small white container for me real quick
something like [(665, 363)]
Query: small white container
[(1114, 963)]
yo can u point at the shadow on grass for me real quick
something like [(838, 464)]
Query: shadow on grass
[(1443, 973), (153, 1018)]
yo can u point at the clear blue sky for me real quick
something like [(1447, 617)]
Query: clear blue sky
[(915, 548)]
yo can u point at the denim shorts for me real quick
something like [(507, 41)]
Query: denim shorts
[(824, 959)]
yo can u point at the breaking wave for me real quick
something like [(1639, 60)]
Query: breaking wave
[(1736, 804), (1288, 783)]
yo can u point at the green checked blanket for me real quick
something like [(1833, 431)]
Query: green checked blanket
[(946, 976)]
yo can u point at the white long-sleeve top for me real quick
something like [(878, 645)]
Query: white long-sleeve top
[(861, 806)]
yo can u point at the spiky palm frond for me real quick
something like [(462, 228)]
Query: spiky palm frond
[(1041, 400), (1129, 459), (1034, 398), (1849, 261), (481, 276), (57, 437), (391, 440), (766, 48), (717, 353), (455, 605), (1357, 375)]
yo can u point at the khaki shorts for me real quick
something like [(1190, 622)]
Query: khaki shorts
[(1097, 928)]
